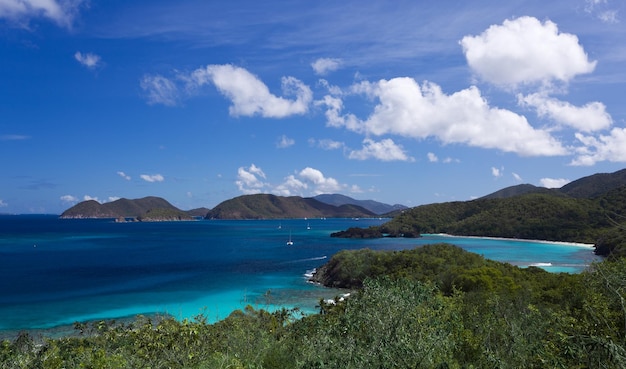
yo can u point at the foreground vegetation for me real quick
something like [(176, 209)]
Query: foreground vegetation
[(433, 307)]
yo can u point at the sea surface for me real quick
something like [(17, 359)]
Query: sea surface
[(55, 272)]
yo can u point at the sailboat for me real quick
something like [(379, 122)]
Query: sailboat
[(290, 242)]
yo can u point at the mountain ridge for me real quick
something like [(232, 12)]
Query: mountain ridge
[(371, 205), (267, 206)]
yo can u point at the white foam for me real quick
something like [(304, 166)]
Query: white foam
[(541, 264)]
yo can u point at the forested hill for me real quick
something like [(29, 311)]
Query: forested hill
[(148, 209), (590, 210), (265, 206)]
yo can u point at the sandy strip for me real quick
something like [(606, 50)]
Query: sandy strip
[(574, 244)]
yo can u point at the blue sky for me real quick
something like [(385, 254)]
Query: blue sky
[(409, 102)]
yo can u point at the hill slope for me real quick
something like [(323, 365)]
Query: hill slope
[(147, 208), (589, 210), (265, 206)]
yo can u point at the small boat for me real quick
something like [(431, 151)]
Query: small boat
[(290, 242)]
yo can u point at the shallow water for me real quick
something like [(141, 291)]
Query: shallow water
[(55, 272)]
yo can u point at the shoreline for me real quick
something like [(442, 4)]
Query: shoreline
[(562, 243)]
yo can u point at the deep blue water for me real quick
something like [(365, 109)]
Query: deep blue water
[(55, 272)]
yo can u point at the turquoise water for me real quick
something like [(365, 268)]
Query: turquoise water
[(54, 272)]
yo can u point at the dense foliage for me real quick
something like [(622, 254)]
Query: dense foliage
[(433, 307)]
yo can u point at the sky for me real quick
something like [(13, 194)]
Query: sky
[(403, 102)]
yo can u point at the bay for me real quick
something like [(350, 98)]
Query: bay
[(55, 272)]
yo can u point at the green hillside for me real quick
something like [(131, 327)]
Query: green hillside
[(265, 206), (149, 208), (589, 210)]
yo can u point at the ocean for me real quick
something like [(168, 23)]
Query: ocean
[(55, 272)]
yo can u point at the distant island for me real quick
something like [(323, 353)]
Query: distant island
[(259, 206), (151, 209)]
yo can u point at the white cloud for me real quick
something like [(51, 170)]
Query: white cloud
[(248, 180), (291, 186), (497, 172), (69, 198), (152, 177), (89, 60), (323, 66), (601, 10), (160, 90), (88, 198), (284, 142), (517, 177), (553, 182), (601, 148), (252, 180), (257, 171), (328, 144), (249, 95), (432, 157), (588, 118), (451, 160), (21, 11), (320, 183), (525, 51), (385, 150), (407, 109), (124, 175)]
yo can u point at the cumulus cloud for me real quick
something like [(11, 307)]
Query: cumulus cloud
[(497, 172), (553, 182), (590, 117), (88, 60), (405, 108), (249, 180), (290, 187), (320, 183), (385, 150), (249, 95), (308, 181), (124, 175), (323, 66), (432, 157), (160, 90), (525, 51), (22, 11), (611, 147), (152, 177), (284, 142)]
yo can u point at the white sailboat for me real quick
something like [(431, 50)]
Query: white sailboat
[(290, 242)]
